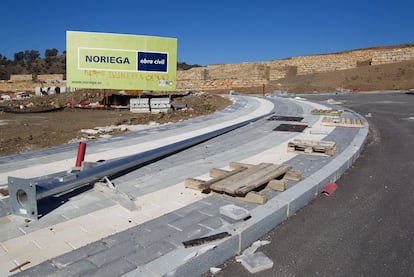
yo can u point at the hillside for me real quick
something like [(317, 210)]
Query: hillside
[(34, 66), (394, 76), (376, 68)]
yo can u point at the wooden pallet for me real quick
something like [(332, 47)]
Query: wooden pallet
[(244, 180), (326, 112), (343, 122), (312, 147)]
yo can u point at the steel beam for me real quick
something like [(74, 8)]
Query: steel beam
[(26, 193)]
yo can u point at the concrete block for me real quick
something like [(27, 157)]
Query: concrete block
[(80, 268), (151, 210), (148, 237), (183, 212), (95, 228), (144, 255), (263, 220), (161, 221), (49, 238), (41, 255), (19, 247), (191, 219), (6, 266), (113, 253), (140, 271), (81, 253), (215, 201), (116, 268), (308, 192), (192, 232), (137, 218), (234, 212), (255, 262)]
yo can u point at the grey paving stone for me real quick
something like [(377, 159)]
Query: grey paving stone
[(113, 253), (44, 269), (243, 204), (80, 268), (185, 211), (116, 268), (128, 235), (160, 221), (192, 232), (217, 200), (140, 271), (212, 223), (4, 207), (79, 254), (149, 237), (191, 219), (144, 255)]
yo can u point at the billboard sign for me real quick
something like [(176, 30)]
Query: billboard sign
[(116, 61)]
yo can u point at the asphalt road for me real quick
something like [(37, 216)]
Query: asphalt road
[(366, 228)]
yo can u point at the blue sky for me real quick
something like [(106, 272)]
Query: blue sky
[(214, 31)]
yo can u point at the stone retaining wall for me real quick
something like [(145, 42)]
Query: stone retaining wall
[(394, 55), (21, 77), (228, 76), (50, 77)]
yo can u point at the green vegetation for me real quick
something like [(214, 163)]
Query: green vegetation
[(30, 62), (185, 66)]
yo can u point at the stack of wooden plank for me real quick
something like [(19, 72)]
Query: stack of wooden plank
[(313, 147), (244, 181), (343, 122), (326, 112)]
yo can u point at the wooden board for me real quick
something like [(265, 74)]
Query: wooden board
[(205, 185), (293, 175), (343, 122), (250, 197), (326, 112), (250, 179), (217, 172), (279, 185), (244, 181), (234, 165)]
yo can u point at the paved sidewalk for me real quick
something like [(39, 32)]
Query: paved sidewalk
[(139, 229)]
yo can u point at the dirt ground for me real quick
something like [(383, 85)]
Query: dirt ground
[(394, 76), (32, 130)]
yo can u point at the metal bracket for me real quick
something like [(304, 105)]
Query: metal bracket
[(23, 198)]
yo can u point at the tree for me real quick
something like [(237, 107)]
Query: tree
[(19, 57), (185, 66), (3, 74), (51, 53), (31, 55), (26, 56), (3, 60)]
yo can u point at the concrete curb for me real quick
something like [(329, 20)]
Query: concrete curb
[(196, 261)]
